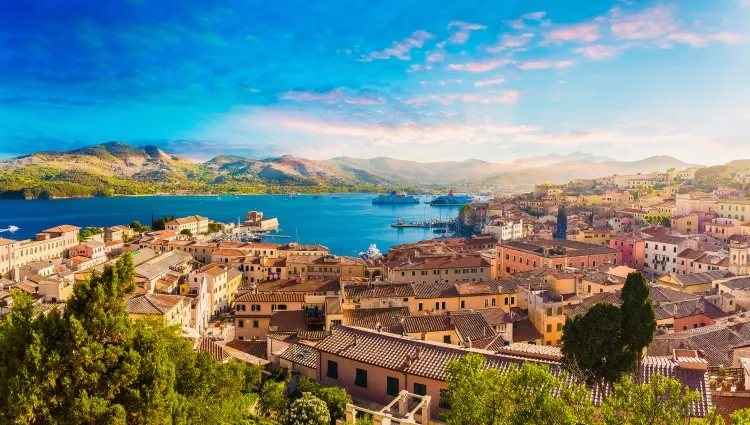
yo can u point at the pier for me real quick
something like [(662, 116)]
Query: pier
[(400, 223)]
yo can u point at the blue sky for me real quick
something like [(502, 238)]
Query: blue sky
[(422, 80)]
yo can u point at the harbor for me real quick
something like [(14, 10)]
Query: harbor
[(400, 223)]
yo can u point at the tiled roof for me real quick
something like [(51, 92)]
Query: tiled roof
[(524, 330), (604, 279), (153, 304), (301, 354), (307, 286), (715, 341), (288, 321), (62, 229), (253, 348), (738, 283), (370, 317), (216, 351), (495, 315), (270, 297), (429, 323), (443, 262), (547, 352), (687, 308), (161, 263), (213, 270), (701, 278), (667, 239), (473, 288), (510, 286), (378, 290), (472, 326), (435, 290), (4, 241)]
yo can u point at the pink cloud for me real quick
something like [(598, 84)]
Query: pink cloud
[(490, 82), (520, 22), (435, 57), (587, 32), (507, 96), (516, 40), (462, 30), (544, 64), (534, 16), (482, 66), (401, 49), (726, 37), (702, 40), (646, 24), (598, 52), (335, 96)]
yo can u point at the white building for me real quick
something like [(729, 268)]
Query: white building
[(504, 229), (195, 224), (661, 254)]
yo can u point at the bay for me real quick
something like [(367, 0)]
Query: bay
[(346, 225)]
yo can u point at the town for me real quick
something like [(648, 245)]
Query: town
[(535, 262)]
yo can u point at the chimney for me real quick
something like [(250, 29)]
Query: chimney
[(469, 339), (408, 360), (424, 337), (418, 352), (356, 340)]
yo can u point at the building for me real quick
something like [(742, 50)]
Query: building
[(436, 269), (173, 309), (632, 246), (593, 236), (46, 245), (545, 311), (253, 312), (194, 223), (661, 253), (377, 366), (694, 282), (324, 266), (221, 284), (504, 229), (686, 224), (722, 229), (255, 219), (738, 209), (527, 255)]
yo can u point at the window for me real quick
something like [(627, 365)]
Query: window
[(437, 305), (360, 379), (419, 306), (505, 301), (463, 304), (443, 305), (486, 302), (392, 387), (256, 324), (447, 339), (549, 311), (333, 370), (493, 302), (559, 310), (549, 328), (512, 300), (559, 327), (240, 323), (254, 307), (420, 389), (444, 401)]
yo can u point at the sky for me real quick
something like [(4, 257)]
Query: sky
[(428, 80)]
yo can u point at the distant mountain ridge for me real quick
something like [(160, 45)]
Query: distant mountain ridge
[(118, 168)]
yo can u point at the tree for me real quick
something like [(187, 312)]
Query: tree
[(740, 417), (662, 401), (523, 395), (308, 410), (336, 399), (138, 227), (666, 222), (159, 223), (186, 232), (88, 232), (273, 402), (593, 344), (638, 318), (214, 227)]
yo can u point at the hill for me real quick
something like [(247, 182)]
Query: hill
[(116, 168)]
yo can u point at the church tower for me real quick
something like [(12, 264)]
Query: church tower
[(562, 223), (738, 257)]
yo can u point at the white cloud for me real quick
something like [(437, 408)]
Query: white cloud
[(543, 64), (490, 82), (702, 40), (516, 40), (401, 49), (597, 52), (462, 31), (481, 66), (586, 32), (646, 24), (336, 96), (507, 96)]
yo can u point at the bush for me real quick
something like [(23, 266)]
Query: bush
[(273, 402), (308, 410)]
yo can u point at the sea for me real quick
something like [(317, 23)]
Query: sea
[(347, 225)]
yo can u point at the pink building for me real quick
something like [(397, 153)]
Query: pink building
[(632, 247)]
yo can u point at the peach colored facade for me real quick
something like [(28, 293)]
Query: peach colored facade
[(691, 322), (512, 261), (252, 318), (377, 378), (633, 250)]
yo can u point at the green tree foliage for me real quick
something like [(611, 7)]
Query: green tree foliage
[(308, 410), (639, 319), (592, 344), (90, 364), (138, 227), (186, 232), (273, 402), (158, 223), (336, 399), (521, 396), (214, 227), (88, 232), (740, 417), (663, 401)]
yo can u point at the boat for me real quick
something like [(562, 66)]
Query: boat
[(316, 197), (12, 229), (451, 199), (394, 198), (335, 197), (372, 253)]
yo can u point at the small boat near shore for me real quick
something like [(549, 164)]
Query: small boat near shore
[(11, 229)]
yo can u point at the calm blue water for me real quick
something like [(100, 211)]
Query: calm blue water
[(346, 225)]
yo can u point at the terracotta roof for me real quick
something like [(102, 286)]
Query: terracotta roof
[(216, 351), (546, 352), (371, 317), (604, 279), (510, 286), (495, 315), (213, 270), (288, 320), (473, 288), (524, 331), (693, 279), (435, 290), (62, 229), (4, 241), (667, 239), (378, 290), (307, 286), (228, 253), (301, 354), (253, 348), (472, 326), (738, 283), (270, 297), (715, 341), (443, 262), (687, 308), (429, 323), (153, 304)]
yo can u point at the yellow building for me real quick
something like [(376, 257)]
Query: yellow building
[(589, 200), (693, 282), (593, 236), (598, 282), (738, 209), (686, 225), (173, 309)]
